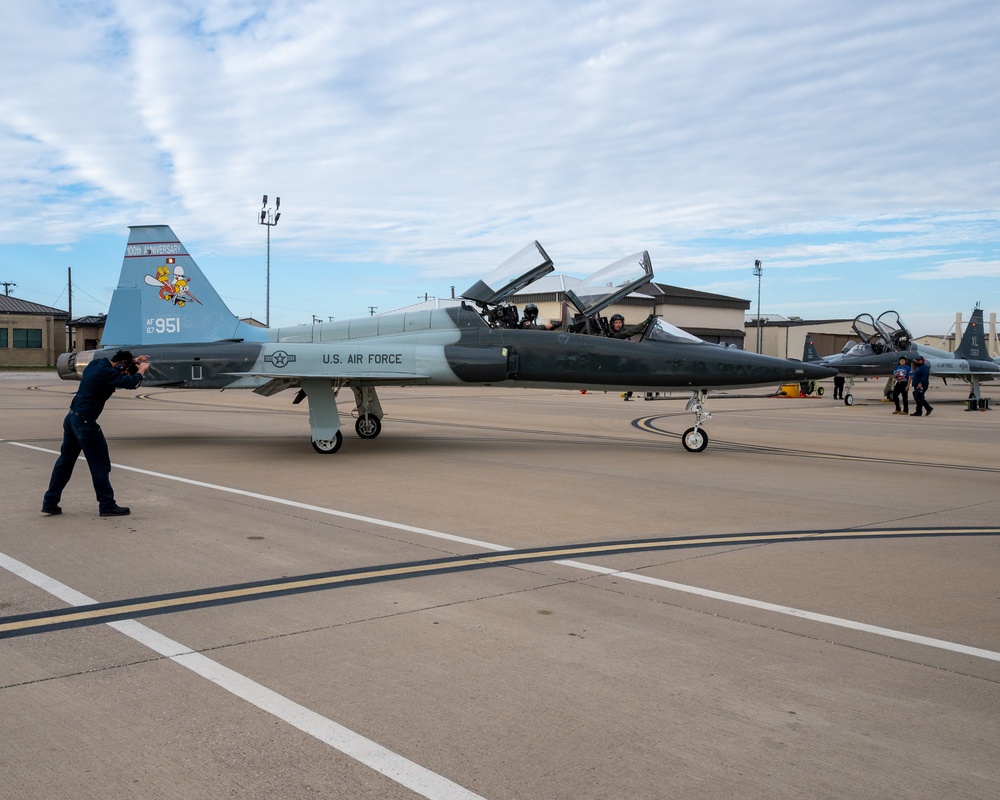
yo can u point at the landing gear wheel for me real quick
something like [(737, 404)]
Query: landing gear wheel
[(694, 440), (848, 399), (820, 391), (368, 426), (329, 446)]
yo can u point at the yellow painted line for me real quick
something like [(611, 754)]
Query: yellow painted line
[(163, 604)]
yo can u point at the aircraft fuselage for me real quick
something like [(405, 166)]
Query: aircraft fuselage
[(453, 347)]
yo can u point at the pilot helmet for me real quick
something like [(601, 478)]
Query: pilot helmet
[(531, 310), (616, 316)]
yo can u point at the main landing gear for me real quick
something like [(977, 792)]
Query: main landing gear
[(329, 446), (324, 418), (369, 411), (695, 439), (368, 426)]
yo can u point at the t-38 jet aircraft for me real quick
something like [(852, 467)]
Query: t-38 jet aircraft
[(165, 307), (885, 339)]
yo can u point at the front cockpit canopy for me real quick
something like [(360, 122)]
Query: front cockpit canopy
[(663, 331), (521, 269)]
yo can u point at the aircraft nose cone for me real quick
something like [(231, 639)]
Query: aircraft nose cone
[(816, 372)]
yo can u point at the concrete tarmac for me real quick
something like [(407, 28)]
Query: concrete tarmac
[(779, 661)]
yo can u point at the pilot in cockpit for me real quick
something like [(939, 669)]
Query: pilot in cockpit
[(530, 320), (618, 330)]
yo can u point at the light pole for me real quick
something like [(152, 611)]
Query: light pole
[(270, 218), (758, 270)]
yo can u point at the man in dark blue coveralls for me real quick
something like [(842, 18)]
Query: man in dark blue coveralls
[(82, 433), (920, 380)]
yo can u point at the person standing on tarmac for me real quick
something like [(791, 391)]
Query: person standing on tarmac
[(901, 386), (81, 433), (920, 379)]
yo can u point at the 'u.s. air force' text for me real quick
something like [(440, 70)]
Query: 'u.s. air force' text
[(363, 358)]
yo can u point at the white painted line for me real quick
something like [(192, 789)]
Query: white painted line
[(940, 644), (294, 504), (401, 770), (840, 622)]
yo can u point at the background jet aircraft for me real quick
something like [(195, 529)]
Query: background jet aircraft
[(203, 345), (885, 339)]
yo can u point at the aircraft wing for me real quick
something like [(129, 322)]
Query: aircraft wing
[(275, 384), (368, 377)]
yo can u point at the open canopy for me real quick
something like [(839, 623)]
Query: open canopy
[(608, 285), (521, 269)]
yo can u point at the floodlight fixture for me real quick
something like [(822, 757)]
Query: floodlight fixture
[(269, 218)]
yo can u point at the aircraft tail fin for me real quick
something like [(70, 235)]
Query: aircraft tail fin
[(809, 352), (973, 344), (163, 297)]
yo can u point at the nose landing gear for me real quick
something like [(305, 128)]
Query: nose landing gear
[(695, 439)]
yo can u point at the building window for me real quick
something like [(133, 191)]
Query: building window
[(3, 338), (27, 337)]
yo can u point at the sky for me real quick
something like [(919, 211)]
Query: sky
[(853, 147)]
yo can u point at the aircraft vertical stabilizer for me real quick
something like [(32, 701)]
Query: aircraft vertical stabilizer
[(973, 344), (163, 297), (809, 352)]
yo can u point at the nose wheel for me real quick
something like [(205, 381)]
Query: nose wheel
[(694, 440)]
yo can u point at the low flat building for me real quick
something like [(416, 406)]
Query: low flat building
[(785, 337), (712, 317), (85, 332), (31, 335)]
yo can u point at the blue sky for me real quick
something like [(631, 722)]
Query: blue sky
[(854, 147)]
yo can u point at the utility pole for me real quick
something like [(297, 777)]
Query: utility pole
[(758, 270), (7, 286), (269, 217), (372, 310), (69, 294)]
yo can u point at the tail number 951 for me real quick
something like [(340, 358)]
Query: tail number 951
[(163, 325)]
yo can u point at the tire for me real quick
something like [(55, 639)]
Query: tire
[(694, 440), (368, 426), (821, 391), (329, 446), (848, 399)]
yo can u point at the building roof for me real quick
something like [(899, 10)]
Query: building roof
[(15, 305), (553, 287), (679, 296), (93, 319), (776, 320), (425, 305)]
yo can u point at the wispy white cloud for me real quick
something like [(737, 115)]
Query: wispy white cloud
[(966, 268), (436, 137)]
